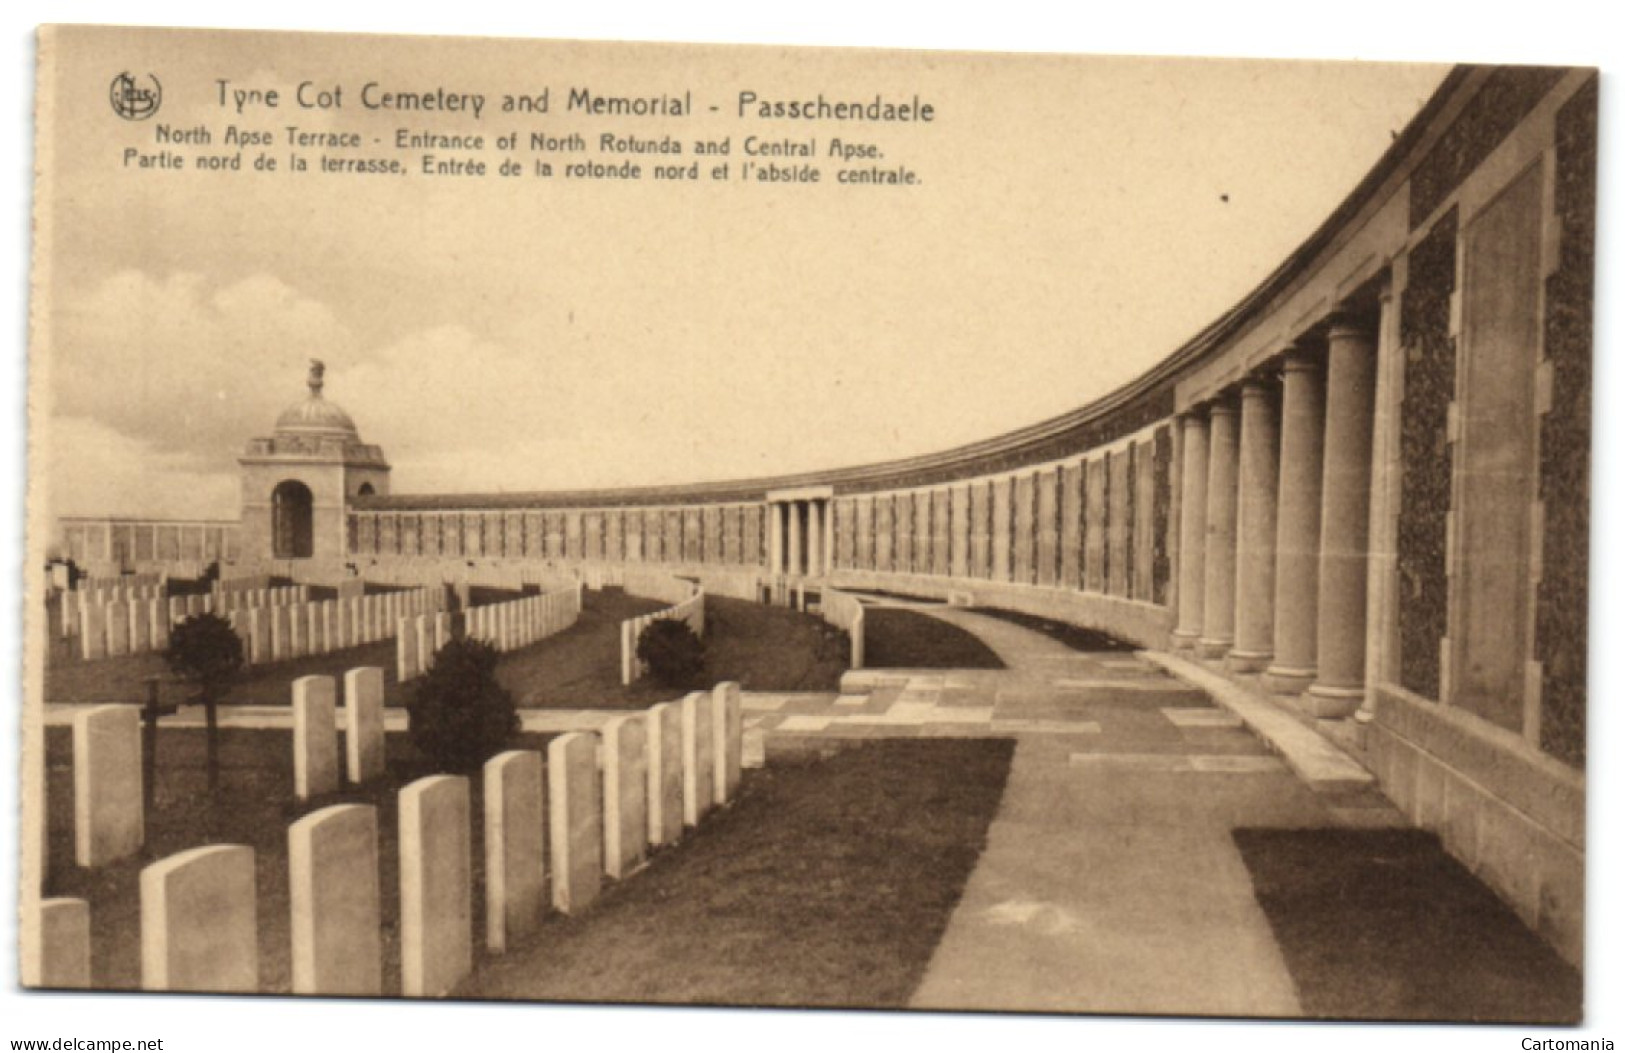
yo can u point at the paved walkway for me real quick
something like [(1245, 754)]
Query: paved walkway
[(1110, 882)]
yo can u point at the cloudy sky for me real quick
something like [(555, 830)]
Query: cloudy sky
[(1076, 220)]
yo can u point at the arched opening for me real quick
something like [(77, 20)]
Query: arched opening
[(291, 534), (365, 490)]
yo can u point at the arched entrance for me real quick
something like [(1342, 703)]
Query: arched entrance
[(291, 533)]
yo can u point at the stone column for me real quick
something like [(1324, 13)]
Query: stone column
[(1192, 530), (1381, 619), (829, 534), (1219, 579), (1345, 520), (815, 539), (1255, 530), (794, 563), (775, 538), (1297, 525)]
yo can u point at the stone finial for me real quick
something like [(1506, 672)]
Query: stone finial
[(317, 368)]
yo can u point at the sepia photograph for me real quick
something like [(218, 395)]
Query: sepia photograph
[(912, 536)]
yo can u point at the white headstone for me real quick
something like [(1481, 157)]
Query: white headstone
[(364, 723), (515, 847), (56, 944), (626, 794), (118, 628), (576, 823), (727, 728), (665, 770), (315, 738), (198, 916), (92, 630), (406, 651), (107, 810), (333, 894), (699, 778), (437, 948)]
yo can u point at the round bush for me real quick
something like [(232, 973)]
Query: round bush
[(460, 715), (206, 652), (674, 654)]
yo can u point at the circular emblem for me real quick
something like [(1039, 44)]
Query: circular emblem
[(135, 98)]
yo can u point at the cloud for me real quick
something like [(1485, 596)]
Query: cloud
[(181, 363), (96, 470)]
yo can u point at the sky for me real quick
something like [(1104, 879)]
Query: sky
[(1076, 220)]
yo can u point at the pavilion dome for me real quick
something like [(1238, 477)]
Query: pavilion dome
[(315, 415)]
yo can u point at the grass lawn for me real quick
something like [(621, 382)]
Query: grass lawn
[(828, 883), (763, 648), (1075, 637), (1383, 924), (257, 806), (894, 638)]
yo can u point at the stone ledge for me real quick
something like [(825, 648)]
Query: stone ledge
[(1315, 760)]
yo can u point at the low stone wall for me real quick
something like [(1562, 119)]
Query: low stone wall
[(1143, 624), (846, 613), (1514, 816)]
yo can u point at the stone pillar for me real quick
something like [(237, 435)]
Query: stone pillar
[(796, 562), (775, 538), (1192, 530), (1297, 525), (1345, 521), (1255, 530), (1382, 618), (815, 539), (828, 511), (1219, 559)]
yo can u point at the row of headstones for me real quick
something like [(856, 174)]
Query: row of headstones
[(73, 604), (691, 610), (227, 600), (272, 634), (120, 627), (518, 623), (551, 833)]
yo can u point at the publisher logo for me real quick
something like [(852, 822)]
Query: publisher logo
[(135, 98)]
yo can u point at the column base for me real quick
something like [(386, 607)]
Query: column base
[(1332, 702), (1183, 639), (1247, 661), (1211, 649), (1288, 680)]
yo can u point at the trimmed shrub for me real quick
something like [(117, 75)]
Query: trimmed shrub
[(674, 653), (206, 653), (460, 715)]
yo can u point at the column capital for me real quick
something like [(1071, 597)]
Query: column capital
[(1346, 323), (1223, 406), (1255, 386), (1300, 359)]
